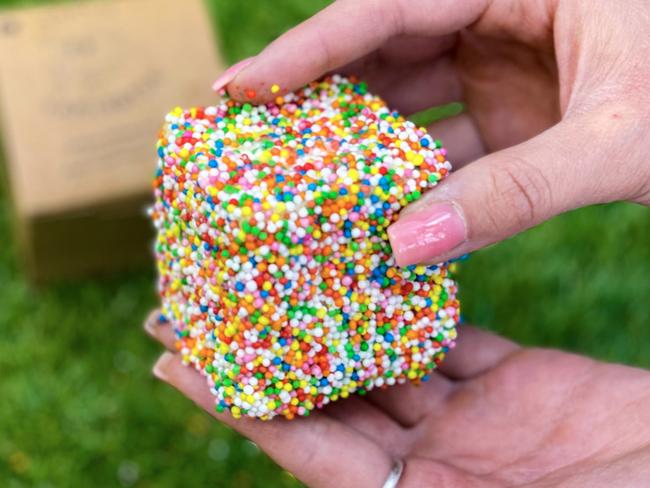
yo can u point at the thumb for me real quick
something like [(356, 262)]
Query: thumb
[(508, 191)]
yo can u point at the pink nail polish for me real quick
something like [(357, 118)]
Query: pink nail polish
[(229, 75), (160, 368), (150, 326), (421, 236)]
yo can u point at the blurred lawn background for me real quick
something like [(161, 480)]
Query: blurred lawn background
[(79, 407)]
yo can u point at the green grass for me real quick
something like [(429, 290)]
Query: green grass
[(78, 405)]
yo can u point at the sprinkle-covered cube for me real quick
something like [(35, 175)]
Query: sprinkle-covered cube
[(275, 266)]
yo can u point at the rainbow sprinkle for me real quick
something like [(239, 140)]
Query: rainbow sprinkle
[(275, 267)]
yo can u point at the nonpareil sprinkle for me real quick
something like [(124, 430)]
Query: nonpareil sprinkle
[(275, 267)]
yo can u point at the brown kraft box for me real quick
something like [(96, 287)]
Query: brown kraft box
[(83, 92)]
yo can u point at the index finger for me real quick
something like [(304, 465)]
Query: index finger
[(319, 450), (477, 351), (341, 33)]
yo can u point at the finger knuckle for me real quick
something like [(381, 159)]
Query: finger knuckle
[(522, 193)]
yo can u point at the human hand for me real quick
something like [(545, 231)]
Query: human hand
[(557, 99), (494, 415)]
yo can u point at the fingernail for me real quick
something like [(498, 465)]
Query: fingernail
[(161, 367), (419, 237), (229, 75), (150, 323)]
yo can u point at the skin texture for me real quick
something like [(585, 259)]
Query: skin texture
[(557, 95), (494, 415)]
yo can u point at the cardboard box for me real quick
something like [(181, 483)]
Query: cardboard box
[(83, 92)]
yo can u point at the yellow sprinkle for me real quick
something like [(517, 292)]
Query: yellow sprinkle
[(265, 157), (275, 88)]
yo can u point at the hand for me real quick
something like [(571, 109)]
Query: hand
[(494, 415), (557, 99)]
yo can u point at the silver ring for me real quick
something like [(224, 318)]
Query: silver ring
[(394, 475)]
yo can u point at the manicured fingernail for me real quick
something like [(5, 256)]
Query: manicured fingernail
[(162, 366), (151, 323), (419, 237), (149, 327), (229, 75)]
